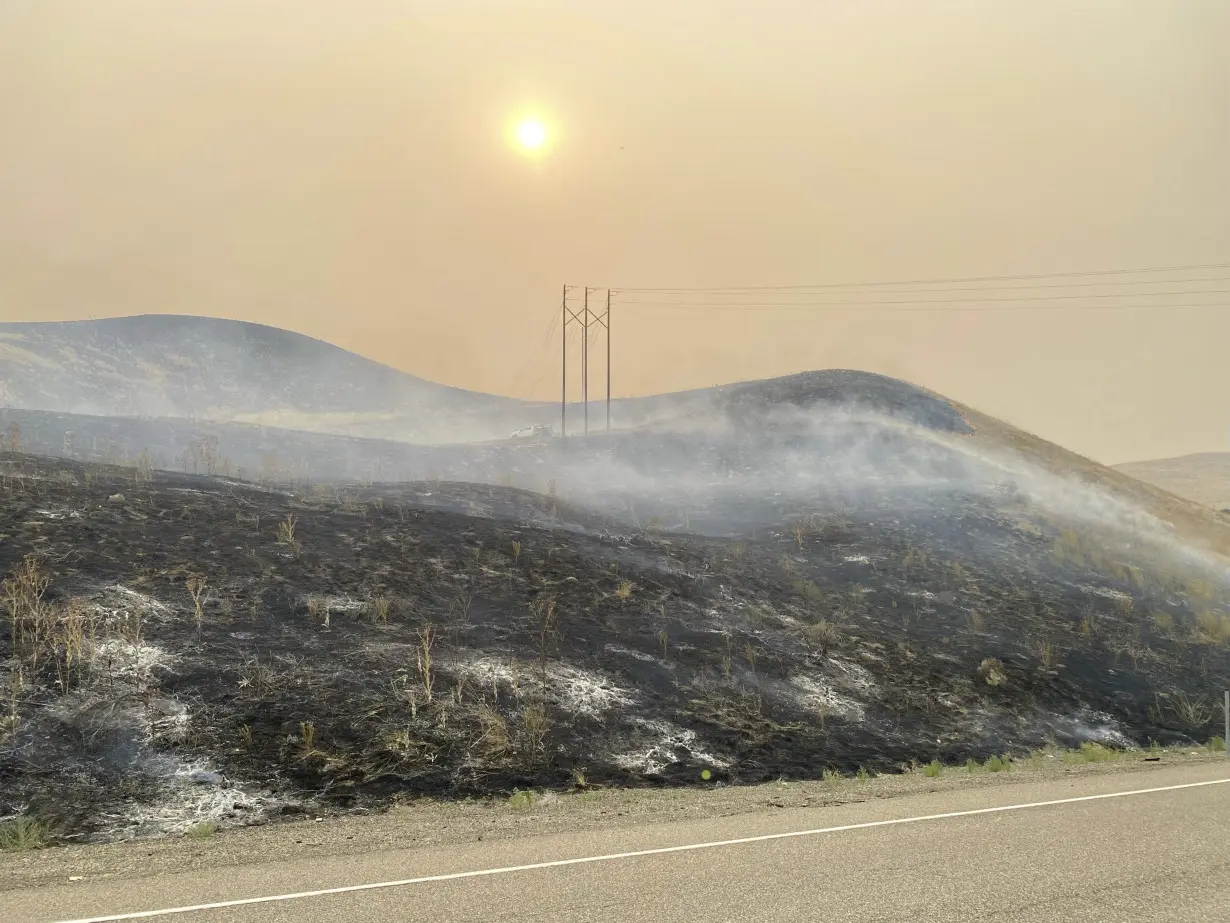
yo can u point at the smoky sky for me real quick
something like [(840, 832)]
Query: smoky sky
[(341, 169)]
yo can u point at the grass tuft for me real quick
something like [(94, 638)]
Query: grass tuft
[(521, 800)]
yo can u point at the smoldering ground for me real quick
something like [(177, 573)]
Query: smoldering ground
[(774, 587)]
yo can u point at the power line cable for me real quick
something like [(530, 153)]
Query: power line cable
[(937, 291), (956, 279), (876, 307), (752, 304)]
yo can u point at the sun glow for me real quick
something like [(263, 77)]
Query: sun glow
[(531, 135)]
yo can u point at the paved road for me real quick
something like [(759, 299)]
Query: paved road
[(1161, 855)]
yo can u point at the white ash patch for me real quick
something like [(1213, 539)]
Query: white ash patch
[(629, 652), (586, 692), (194, 794), (853, 676), (921, 594), (581, 692), (857, 559), (122, 597), (339, 603), (119, 658), (59, 514), (815, 694), (1106, 593), (670, 743), (486, 670)]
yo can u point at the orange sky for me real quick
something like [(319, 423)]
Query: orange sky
[(341, 169)]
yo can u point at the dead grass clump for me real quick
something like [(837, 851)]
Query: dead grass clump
[(198, 589), (823, 636), (318, 610), (809, 590), (23, 599), (1192, 711), (495, 741), (379, 606), (991, 671), (535, 723), (1048, 655), (287, 535), (424, 661)]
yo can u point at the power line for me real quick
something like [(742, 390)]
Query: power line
[(832, 285), (532, 357), (936, 291), (980, 300), (875, 307)]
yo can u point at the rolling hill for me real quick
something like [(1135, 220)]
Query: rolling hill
[(1204, 478), (228, 371)]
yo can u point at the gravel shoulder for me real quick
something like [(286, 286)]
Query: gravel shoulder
[(439, 823)]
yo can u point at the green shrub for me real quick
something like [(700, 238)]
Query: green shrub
[(933, 769), (1090, 752), (22, 834), (997, 764), (520, 801)]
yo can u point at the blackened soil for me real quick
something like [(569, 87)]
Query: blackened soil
[(529, 643)]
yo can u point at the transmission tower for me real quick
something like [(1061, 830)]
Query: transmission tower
[(586, 317)]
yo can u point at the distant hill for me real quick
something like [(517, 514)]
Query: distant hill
[(1204, 477), (224, 370)]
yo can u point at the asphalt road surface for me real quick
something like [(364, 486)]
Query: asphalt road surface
[(1149, 846)]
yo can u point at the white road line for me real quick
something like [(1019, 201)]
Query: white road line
[(660, 851)]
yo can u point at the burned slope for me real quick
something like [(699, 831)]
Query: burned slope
[(184, 647)]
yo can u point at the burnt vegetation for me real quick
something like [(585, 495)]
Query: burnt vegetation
[(178, 647), (829, 573)]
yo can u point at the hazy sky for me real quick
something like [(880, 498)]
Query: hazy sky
[(341, 168)]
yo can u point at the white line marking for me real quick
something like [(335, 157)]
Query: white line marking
[(659, 851)]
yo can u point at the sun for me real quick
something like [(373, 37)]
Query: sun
[(531, 134)]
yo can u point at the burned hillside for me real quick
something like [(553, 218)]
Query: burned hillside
[(180, 647)]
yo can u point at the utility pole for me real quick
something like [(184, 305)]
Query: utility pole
[(606, 322), (563, 391), (585, 319), (585, 364)]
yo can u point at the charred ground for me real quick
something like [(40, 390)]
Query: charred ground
[(348, 646)]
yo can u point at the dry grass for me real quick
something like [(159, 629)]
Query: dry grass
[(424, 660), (535, 723), (991, 671), (1048, 655), (824, 636)]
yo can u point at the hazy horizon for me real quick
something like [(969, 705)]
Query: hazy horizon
[(342, 171)]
